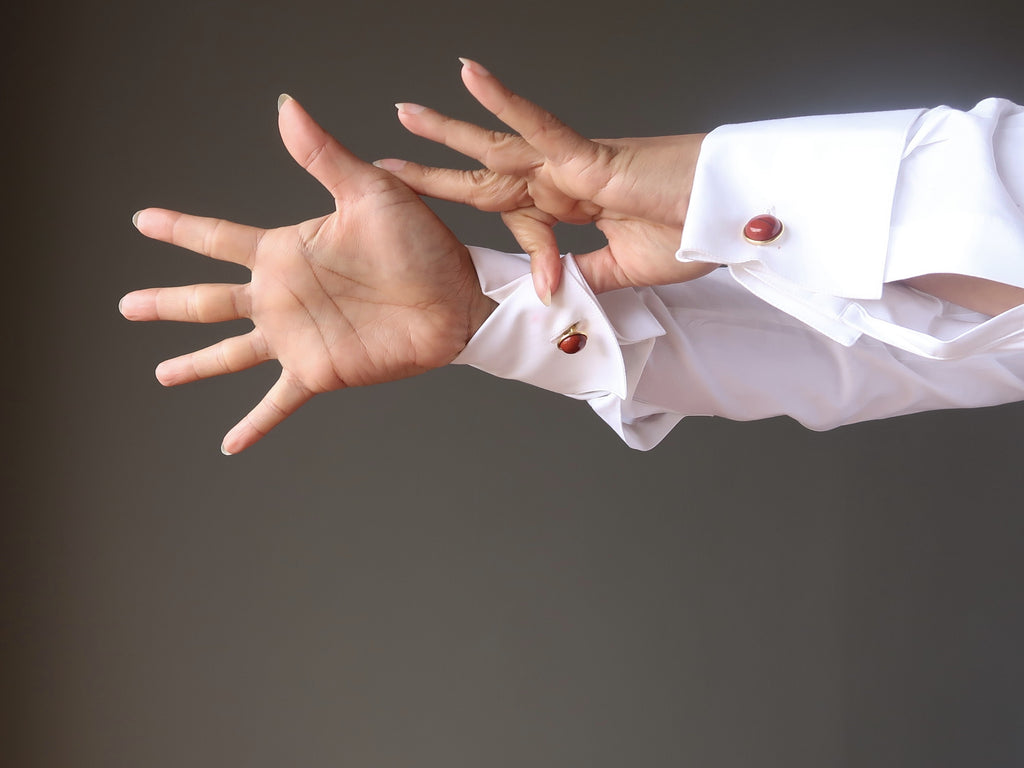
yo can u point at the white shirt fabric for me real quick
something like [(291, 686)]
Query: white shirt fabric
[(810, 326)]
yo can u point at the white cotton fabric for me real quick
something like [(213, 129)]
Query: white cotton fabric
[(867, 200), (810, 326)]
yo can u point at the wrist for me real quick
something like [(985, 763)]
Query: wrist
[(480, 305)]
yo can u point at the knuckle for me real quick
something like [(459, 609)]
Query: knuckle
[(192, 304), (544, 127), (258, 342), (500, 150), (313, 154), (240, 303), (220, 359)]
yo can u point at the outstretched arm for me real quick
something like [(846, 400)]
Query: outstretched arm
[(377, 290), (636, 191)]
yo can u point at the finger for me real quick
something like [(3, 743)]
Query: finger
[(318, 152), (533, 231), (284, 398), (228, 356), (538, 127), (482, 189), (601, 271), (216, 238), (206, 303), (501, 152)]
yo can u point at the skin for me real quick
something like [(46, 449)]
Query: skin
[(380, 289), (636, 191), (377, 290)]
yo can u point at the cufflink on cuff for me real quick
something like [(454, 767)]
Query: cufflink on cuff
[(571, 340), (763, 229)]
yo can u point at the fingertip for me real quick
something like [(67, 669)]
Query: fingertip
[(468, 65), (239, 438), (409, 108), (128, 306), (231, 445), (164, 374), (288, 118), (139, 219), (391, 164), (555, 279), (543, 288)]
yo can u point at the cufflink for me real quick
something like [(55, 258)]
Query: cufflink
[(571, 340), (762, 229)]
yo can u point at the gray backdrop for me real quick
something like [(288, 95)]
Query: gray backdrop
[(456, 570)]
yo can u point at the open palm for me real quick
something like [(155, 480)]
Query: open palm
[(378, 290)]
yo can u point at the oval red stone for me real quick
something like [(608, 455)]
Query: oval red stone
[(572, 343), (762, 229)]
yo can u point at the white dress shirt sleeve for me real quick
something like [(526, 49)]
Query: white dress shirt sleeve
[(811, 326), (867, 200)]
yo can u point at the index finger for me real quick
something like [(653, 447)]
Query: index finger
[(217, 238), (538, 127)]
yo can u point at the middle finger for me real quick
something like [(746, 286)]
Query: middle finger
[(503, 153)]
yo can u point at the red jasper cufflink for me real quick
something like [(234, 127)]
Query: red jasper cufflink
[(571, 340), (763, 229)]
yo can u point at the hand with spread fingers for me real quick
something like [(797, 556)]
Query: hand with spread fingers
[(636, 191), (377, 290)]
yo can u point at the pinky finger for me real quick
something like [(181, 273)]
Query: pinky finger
[(284, 398), (533, 231)]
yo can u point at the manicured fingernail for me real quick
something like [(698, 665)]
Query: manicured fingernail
[(472, 66), (281, 100), (409, 108), (120, 305), (390, 164), (225, 451), (541, 286), (135, 219)]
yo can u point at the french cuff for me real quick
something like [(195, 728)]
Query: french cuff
[(518, 340), (831, 181)]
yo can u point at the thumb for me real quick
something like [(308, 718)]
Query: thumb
[(316, 150)]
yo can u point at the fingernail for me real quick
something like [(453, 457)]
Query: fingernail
[(390, 164), (135, 219), (281, 100), (225, 451), (543, 290), (120, 306), (409, 108), (472, 66)]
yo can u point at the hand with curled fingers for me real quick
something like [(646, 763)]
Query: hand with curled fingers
[(377, 290), (636, 191)]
